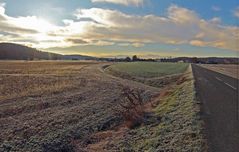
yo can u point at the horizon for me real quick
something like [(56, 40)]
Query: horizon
[(121, 56), (106, 28)]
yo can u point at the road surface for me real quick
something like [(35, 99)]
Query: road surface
[(218, 94)]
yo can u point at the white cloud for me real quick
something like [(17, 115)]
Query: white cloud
[(131, 44), (216, 20), (216, 8), (123, 44), (2, 9), (137, 44), (23, 25), (29, 30), (122, 2), (180, 26), (182, 15), (236, 12), (100, 27), (7, 23)]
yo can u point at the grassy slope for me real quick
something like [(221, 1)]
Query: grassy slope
[(180, 128), (148, 69)]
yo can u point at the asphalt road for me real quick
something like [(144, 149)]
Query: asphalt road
[(218, 94)]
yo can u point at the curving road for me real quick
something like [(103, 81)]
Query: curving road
[(218, 94)]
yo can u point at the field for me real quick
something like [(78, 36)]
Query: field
[(77, 106), (173, 124), (150, 73), (148, 69), (19, 79), (227, 69)]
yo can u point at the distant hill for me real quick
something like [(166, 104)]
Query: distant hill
[(11, 51), (79, 57)]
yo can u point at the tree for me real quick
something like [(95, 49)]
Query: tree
[(127, 59), (135, 58), (194, 60)]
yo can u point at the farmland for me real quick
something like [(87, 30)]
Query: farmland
[(19, 79), (148, 69), (150, 73), (74, 106), (179, 127), (231, 70)]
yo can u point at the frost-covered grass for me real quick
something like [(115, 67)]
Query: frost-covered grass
[(180, 127)]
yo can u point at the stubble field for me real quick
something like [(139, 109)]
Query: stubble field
[(231, 70), (74, 106)]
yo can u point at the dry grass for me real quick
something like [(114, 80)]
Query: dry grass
[(70, 106), (227, 69), (180, 128), (48, 105), (132, 107), (174, 125), (19, 79)]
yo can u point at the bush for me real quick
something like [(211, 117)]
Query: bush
[(132, 107)]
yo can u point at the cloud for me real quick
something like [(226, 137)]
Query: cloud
[(77, 41), (23, 25), (137, 44), (131, 44), (216, 8), (180, 26), (181, 15), (124, 44), (236, 12), (123, 2), (28, 30), (11, 25), (102, 27), (215, 20)]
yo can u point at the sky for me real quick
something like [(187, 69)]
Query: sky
[(118, 28)]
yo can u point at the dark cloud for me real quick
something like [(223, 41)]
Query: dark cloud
[(76, 41)]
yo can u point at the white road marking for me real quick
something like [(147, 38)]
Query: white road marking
[(218, 79), (226, 83), (230, 86)]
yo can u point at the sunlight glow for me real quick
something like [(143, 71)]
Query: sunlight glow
[(34, 23)]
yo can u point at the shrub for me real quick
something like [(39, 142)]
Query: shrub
[(132, 107)]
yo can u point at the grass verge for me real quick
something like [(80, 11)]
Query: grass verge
[(180, 127)]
